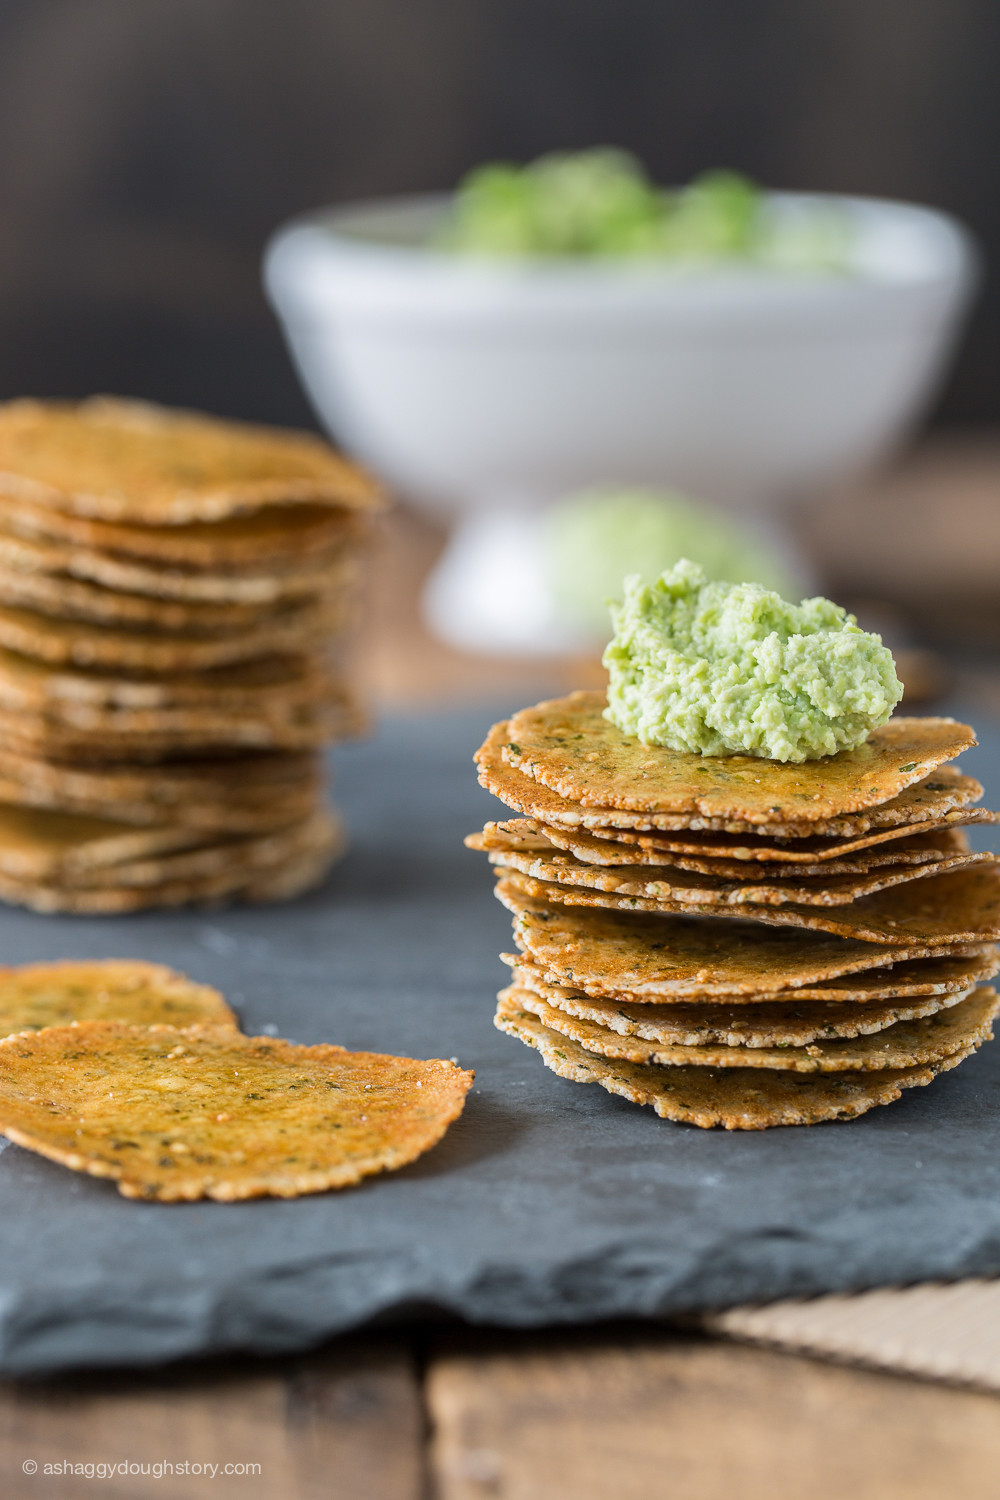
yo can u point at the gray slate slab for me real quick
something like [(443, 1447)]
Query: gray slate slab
[(547, 1203)]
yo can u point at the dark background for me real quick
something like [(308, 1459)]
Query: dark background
[(148, 147)]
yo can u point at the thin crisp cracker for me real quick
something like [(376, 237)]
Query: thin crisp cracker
[(33, 996), (298, 626), (25, 555), (943, 796), (778, 1021), (962, 906), (680, 958), (130, 461), (734, 1098), (831, 1004), (669, 886), (290, 868), (173, 1114), (569, 746), (921, 848), (278, 536), (907, 1043)]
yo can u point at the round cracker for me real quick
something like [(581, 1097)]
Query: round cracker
[(733, 1098), (299, 626), (174, 1115), (133, 462), (569, 746), (270, 773), (944, 795), (275, 537), (777, 1022), (922, 848), (666, 958), (278, 879), (852, 1006), (26, 555), (940, 911), (34, 996), (959, 1028), (297, 677), (671, 886)]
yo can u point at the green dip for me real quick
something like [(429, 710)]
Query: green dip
[(602, 203), (733, 669), (593, 539)]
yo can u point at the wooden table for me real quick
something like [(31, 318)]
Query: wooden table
[(620, 1413)]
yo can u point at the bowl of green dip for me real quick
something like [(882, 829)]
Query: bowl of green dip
[(488, 351)]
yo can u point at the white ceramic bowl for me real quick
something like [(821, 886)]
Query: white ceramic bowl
[(482, 388)]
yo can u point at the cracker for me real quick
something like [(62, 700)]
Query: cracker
[(298, 871), (129, 461), (734, 1098), (37, 844), (666, 958), (210, 817), (181, 733), (865, 993), (922, 848), (72, 599), (784, 1021), (569, 746), (24, 555), (958, 1029), (246, 855), (940, 797), (670, 887), (297, 627), (275, 537), (33, 996), (270, 681), (962, 906), (259, 777), (173, 1114)]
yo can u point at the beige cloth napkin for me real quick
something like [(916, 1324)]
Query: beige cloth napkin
[(944, 1331)]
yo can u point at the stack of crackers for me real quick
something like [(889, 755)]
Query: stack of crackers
[(175, 594), (129, 1070), (734, 941)]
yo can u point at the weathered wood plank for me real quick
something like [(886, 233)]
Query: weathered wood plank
[(635, 1417), (341, 1425)]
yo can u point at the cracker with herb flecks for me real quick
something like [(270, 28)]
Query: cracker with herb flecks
[(111, 738), (905, 1044), (292, 579), (940, 911), (569, 746), (590, 849), (33, 996), (850, 1007), (173, 1114), (276, 537), (678, 958), (132, 462), (734, 1098), (943, 796), (283, 868), (296, 626), (672, 886)]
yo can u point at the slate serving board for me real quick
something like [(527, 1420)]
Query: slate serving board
[(548, 1202)]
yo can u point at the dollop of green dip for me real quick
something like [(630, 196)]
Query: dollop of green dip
[(734, 669), (602, 203)]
